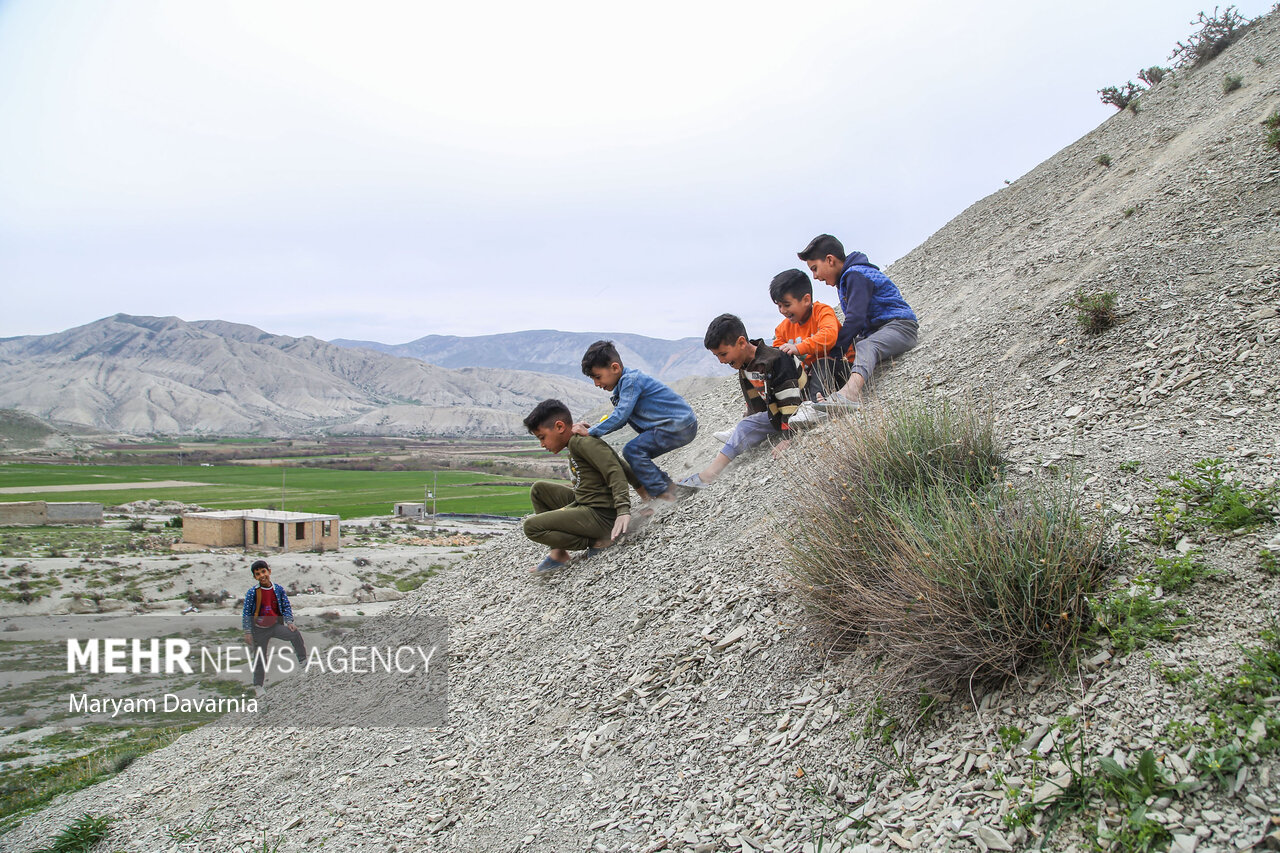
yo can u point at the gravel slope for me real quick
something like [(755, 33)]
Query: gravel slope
[(668, 694)]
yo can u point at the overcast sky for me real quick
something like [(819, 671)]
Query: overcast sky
[(385, 171)]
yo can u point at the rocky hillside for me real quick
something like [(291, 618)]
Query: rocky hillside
[(549, 351), (143, 375), (668, 695)]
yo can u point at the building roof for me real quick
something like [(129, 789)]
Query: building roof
[(264, 515)]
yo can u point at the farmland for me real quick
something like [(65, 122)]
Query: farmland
[(347, 493)]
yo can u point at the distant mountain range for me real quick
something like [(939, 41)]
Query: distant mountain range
[(548, 351), (141, 375)]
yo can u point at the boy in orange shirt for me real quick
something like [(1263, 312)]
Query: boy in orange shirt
[(809, 331)]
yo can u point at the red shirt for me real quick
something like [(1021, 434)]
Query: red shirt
[(267, 613)]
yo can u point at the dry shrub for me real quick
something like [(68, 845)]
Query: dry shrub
[(906, 538), (1217, 32)]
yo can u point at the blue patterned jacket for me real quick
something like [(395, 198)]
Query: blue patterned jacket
[(251, 601)]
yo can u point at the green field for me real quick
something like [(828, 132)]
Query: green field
[(349, 494)]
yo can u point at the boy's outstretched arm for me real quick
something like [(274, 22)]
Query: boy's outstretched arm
[(628, 394)]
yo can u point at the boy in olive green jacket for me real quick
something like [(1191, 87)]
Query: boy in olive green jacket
[(593, 512)]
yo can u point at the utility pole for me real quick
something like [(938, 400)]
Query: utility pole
[(282, 467)]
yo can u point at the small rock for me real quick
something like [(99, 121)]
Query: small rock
[(992, 838)]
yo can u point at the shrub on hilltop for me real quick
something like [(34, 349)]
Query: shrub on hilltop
[(1217, 32), (1120, 96)]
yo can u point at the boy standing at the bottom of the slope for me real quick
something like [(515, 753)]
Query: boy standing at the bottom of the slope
[(267, 615)]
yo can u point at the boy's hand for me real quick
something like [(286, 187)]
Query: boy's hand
[(248, 638), (789, 348), (581, 428), (620, 526), (780, 447), (291, 626)]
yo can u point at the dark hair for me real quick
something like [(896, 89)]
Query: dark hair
[(821, 246), (791, 283), (546, 413), (258, 564), (599, 354), (725, 329)]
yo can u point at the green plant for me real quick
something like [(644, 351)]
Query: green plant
[(1131, 466), (1120, 96), (1217, 32), (267, 847), (1152, 75), (1130, 211), (1220, 764), (906, 538), (1259, 61), (1242, 722), (29, 788), (1117, 792), (1095, 312), (1135, 106), (1131, 618), (81, 836), (1272, 124), (1103, 160), (877, 722), (1269, 562), (1231, 82), (1010, 736), (1211, 498), (1176, 574), (1187, 675)]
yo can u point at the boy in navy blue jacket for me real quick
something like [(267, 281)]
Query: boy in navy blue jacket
[(267, 614), (878, 322), (661, 416)]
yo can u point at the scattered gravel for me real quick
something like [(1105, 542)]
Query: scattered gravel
[(668, 694)]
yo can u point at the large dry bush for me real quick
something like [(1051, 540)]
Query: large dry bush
[(907, 537)]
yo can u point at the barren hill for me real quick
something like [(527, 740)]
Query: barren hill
[(668, 694), (549, 351), (163, 375)]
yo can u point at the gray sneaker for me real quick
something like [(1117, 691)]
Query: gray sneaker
[(723, 435), (807, 414), (837, 404)]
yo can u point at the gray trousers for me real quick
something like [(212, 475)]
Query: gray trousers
[(749, 432), (893, 338)]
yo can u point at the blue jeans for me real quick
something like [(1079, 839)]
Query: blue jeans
[(641, 450)]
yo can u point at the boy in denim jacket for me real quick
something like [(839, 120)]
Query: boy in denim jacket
[(662, 418)]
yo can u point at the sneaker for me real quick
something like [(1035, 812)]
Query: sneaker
[(259, 692), (693, 481), (808, 413), (837, 403), (723, 435), (547, 566)]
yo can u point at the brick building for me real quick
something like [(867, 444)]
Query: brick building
[(261, 530)]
